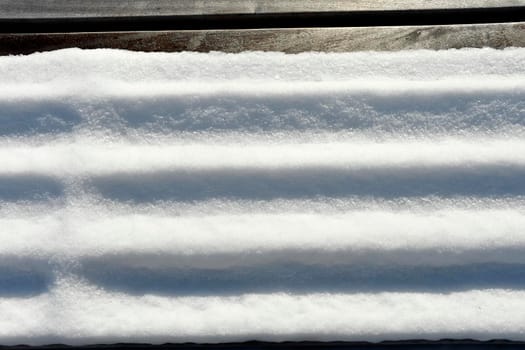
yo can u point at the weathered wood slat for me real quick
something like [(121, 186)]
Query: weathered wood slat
[(285, 40), (266, 20), (105, 8)]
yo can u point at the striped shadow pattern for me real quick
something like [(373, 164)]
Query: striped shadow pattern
[(169, 197)]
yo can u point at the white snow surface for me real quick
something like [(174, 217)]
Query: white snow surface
[(166, 197)]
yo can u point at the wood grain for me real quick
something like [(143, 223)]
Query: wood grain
[(284, 40), (111, 8)]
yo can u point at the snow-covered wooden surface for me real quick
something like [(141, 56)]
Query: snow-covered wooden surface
[(166, 197)]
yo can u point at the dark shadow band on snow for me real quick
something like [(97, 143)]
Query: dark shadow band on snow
[(367, 257), (297, 278), (312, 182), (395, 113), (24, 277), (411, 113), (29, 187), (26, 117)]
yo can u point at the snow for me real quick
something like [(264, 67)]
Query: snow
[(79, 157), (157, 197), (108, 317), (96, 66)]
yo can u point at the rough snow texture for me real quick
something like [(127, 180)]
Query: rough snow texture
[(217, 197)]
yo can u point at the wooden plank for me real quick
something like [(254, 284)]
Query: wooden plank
[(284, 40), (112, 8)]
